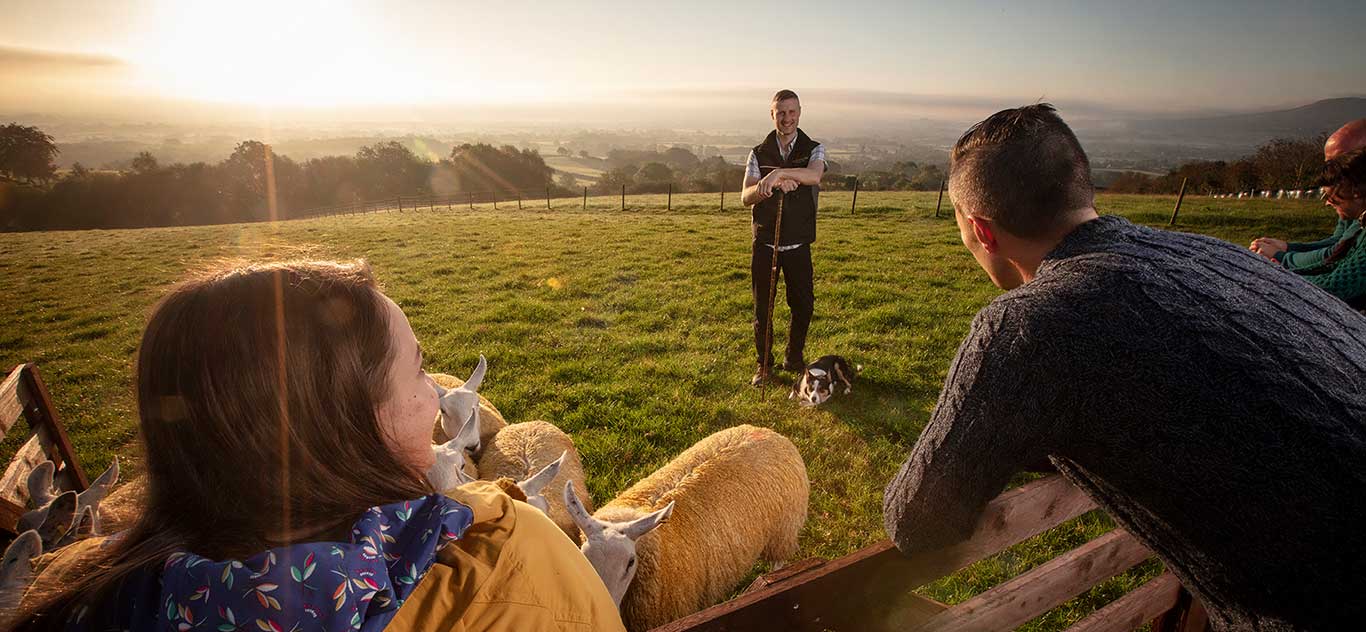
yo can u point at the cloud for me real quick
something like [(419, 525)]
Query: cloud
[(32, 59)]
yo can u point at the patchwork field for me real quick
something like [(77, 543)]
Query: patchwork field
[(629, 330)]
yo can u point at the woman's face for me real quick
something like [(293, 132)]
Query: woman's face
[(406, 419)]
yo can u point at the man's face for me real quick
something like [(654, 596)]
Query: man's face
[(786, 114)]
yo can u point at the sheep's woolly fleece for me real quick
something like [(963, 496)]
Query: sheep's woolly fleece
[(520, 450), (740, 495)]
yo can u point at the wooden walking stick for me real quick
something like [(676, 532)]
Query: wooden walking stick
[(772, 297)]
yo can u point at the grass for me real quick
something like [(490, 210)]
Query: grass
[(629, 330)]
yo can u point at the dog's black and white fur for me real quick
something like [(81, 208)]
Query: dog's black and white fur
[(822, 378)]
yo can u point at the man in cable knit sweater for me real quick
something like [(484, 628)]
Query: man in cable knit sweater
[(1214, 405)]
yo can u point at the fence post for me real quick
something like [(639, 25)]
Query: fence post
[(940, 200), (585, 198), (723, 197), (1180, 196), (547, 197), (448, 203), (623, 197), (471, 193), (854, 202), (669, 206), (494, 195), (399, 200), (431, 204), (519, 200)]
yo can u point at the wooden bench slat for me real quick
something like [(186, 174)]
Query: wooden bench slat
[(11, 401), (875, 584), (1033, 593), (1138, 606)]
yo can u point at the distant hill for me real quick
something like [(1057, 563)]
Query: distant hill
[(1255, 128)]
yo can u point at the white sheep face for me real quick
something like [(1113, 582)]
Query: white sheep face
[(611, 546), (456, 403), (448, 465)]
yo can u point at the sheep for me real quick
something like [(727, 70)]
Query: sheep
[(731, 499), (520, 451), (454, 463), (457, 394), (41, 492)]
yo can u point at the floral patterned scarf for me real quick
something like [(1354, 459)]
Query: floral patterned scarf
[(322, 587)]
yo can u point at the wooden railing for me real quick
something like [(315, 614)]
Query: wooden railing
[(872, 589)]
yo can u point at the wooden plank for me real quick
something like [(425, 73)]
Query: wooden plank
[(787, 572), (45, 421), (11, 400), (874, 585), (9, 517), (1139, 606), (1029, 595), (14, 483)]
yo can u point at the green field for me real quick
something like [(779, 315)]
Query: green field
[(631, 331)]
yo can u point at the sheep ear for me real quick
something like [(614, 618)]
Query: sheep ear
[(587, 523), (100, 487), (641, 526), (533, 486), (477, 377), (40, 483), (16, 567), (60, 516), (468, 437), (27, 547), (440, 390)]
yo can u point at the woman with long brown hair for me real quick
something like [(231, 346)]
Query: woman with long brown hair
[(286, 421)]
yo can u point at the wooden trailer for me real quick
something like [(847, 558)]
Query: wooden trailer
[(871, 590)]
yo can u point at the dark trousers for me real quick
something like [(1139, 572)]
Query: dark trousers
[(795, 266)]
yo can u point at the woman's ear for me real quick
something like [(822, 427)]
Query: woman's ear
[(985, 233)]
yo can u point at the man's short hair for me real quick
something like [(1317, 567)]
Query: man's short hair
[(1022, 169), (784, 95)]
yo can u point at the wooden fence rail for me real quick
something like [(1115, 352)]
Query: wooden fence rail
[(872, 589)]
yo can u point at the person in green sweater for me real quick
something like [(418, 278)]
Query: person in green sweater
[(1336, 264)]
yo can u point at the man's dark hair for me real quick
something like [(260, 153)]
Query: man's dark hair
[(1021, 168), (784, 95)]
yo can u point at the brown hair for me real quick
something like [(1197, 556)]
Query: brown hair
[(1021, 168), (257, 389), (784, 95)]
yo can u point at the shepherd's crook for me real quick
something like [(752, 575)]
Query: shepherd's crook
[(772, 296)]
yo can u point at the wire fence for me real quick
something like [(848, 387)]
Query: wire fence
[(548, 197)]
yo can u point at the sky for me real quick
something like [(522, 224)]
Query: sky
[(666, 62)]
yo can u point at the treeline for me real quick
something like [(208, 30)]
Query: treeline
[(655, 172), (1282, 163), (254, 183)]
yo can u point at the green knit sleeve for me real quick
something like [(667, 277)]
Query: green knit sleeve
[(1343, 229), (1305, 259), (1347, 280)]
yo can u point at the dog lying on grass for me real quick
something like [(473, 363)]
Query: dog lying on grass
[(822, 379)]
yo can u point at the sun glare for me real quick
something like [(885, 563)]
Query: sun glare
[(276, 54)]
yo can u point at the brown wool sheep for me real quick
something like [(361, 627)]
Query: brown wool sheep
[(519, 451), (737, 496)]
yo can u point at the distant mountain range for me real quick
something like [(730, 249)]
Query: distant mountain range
[(1252, 129)]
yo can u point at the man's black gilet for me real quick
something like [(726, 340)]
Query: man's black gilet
[(799, 206)]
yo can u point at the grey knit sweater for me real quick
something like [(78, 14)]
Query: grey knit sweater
[(1214, 404)]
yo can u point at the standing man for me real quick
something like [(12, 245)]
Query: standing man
[(787, 165), (1226, 434)]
